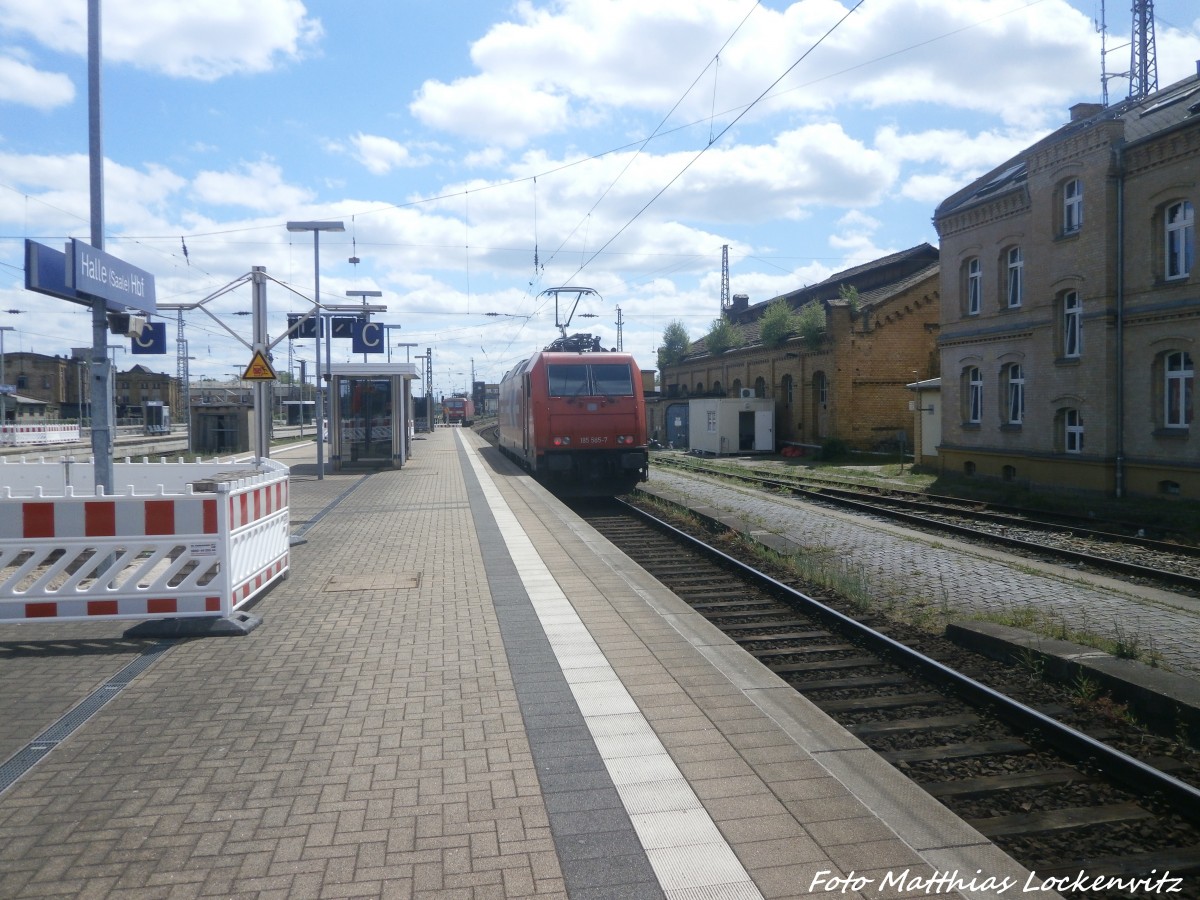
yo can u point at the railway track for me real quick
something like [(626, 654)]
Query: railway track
[(1057, 786), (1172, 564)]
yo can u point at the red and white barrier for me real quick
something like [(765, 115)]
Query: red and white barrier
[(155, 548), (38, 433)]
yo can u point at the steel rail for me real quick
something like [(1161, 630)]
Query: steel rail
[(1134, 773)]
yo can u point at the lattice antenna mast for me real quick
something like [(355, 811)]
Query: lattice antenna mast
[(1143, 59), (181, 371), (725, 303)]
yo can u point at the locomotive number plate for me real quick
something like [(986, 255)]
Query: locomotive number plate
[(593, 440)]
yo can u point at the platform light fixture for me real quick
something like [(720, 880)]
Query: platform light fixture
[(316, 228)]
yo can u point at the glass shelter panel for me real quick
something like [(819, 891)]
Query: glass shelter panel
[(365, 407)]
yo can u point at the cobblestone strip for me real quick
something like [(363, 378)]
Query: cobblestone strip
[(932, 571)]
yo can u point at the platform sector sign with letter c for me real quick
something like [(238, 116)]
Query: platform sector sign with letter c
[(366, 337), (153, 339)]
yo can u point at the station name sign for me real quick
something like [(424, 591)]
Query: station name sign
[(83, 273), (99, 274)]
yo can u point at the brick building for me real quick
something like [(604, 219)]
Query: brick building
[(849, 385), (62, 383), (1071, 305), (55, 381)]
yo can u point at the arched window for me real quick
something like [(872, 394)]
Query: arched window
[(1014, 380), (1071, 423), (1072, 210), (1179, 377), (821, 388), (785, 386), (736, 388), (699, 387), (760, 387), (1180, 243), (1072, 324), (716, 389), (972, 395), (974, 286), (1016, 277)]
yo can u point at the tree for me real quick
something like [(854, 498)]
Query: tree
[(675, 345), (811, 324), (723, 335), (777, 323), (850, 295)]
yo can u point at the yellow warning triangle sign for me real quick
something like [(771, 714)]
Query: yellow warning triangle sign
[(259, 369)]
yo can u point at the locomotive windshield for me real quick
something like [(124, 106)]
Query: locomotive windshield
[(579, 380)]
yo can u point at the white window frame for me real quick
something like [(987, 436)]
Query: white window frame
[(974, 286), (823, 389), (1072, 313), (1016, 279), (1072, 431), (1179, 376), (1180, 239), (1015, 383), (1072, 206), (711, 421), (974, 395)]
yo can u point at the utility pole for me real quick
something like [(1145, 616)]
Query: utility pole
[(102, 436)]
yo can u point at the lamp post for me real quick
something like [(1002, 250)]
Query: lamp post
[(316, 228), (3, 386)]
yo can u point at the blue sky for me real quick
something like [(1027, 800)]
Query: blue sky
[(617, 144)]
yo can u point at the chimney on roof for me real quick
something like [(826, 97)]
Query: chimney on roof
[(1082, 111), (741, 302)]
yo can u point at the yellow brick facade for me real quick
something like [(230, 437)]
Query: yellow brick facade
[(1100, 321), (852, 387)]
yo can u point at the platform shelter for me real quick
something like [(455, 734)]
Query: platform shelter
[(371, 414)]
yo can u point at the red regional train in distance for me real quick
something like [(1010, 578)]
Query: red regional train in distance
[(575, 416), (458, 410)]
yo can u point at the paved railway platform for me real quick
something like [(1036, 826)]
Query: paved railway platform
[(460, 691)]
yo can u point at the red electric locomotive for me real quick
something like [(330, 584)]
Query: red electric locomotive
[(459, 410), (574, 415)]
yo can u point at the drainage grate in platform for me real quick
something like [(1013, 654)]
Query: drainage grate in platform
[(33, 752)]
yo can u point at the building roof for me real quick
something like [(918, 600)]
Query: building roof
[(1175, 106), (877, 282), (868, 278)]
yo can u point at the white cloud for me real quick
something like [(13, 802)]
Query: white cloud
[(204, 41), (947, 159), (379, 154), (490, 110), (258, 186), (580, 62), (58, 192), (21, 83)]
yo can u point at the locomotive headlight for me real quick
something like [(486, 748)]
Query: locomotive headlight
[(624, 438), (562, 442)]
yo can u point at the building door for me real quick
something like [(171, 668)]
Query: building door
[(764, 430)]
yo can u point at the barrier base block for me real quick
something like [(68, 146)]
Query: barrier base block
[(196, 626)]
